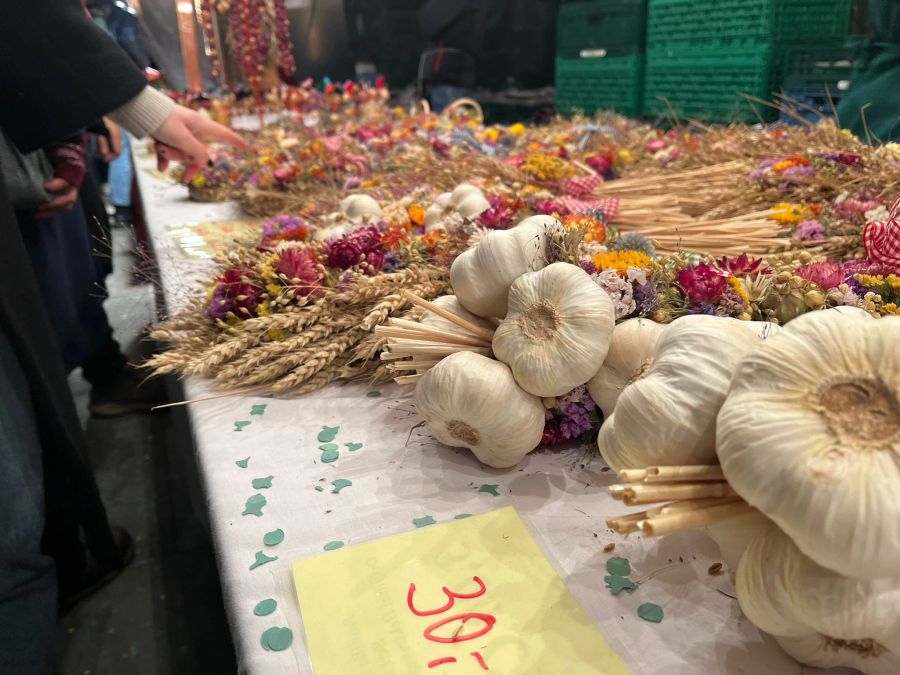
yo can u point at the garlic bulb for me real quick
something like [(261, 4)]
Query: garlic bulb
[(357, 207), (631, 351), (819, 617), (850, 310), (452, 304), (557, 330), (481, 276), (472, 401), (466, 200), (734, 535), (810, 435), (668, 416)]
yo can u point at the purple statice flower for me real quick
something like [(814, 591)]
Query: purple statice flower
[(645, 298), (703, 308), (392, 262), (352, 183), (799, 171), (770, 162), (588, 266), (575, 421), (757, 175), (809, 230)]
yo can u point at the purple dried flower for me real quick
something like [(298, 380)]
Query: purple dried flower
[(809, 230)]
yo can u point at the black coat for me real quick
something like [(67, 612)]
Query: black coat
[(58, 74)]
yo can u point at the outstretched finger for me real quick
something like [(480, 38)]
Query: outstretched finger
[(213, 131)]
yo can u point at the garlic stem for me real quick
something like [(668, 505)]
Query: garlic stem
[(450, 316), (666, 524)]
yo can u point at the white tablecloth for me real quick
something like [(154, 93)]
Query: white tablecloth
[(400, 474)]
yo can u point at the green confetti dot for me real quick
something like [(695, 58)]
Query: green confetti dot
[(254, 506), (373, 394), (328, 434), (617, 584), (330, 456), (262, 559), (262, 483), (243, 462), (240, 424), (460, 516), (619, 567), (258, 409), (423, 521), (319, 488), (273, 538), (650, 611), (353, 447), (265, 607), (333, 545), (490, 489), (276, 639), (329, 447), (340, 484)]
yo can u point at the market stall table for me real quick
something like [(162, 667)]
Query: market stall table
[(399, 474)]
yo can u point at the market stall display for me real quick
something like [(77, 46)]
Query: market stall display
[(681, 292)]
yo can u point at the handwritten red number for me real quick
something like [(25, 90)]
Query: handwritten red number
[(451, 598), (440, 662), (487, 619), (480, 659)]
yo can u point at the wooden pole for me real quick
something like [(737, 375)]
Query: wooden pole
[(190, 55)]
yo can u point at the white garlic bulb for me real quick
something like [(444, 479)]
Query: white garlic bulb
[(481, 276), (819, 617), (734, 535), (358, 207), (466, 200), (557, 330), (472, 401), (810, 435), (632, 348), (668, 416)]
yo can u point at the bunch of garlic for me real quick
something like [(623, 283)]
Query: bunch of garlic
[(474, 402), (557, 329), (466, 200), (355, 211), (666, 413), (481, 276), (818, 616)]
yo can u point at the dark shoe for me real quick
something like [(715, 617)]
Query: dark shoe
[(96, 576), (129, 393)]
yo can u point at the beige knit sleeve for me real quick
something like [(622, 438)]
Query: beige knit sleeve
[(145, 113)]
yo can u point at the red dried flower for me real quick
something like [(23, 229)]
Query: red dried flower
[(299, 267), (825, 274), (739, 266), (702, 283)]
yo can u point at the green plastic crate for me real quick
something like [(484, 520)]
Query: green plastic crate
[(807, 67), (707, 84), (616, 28), (735, 23), (608, 83)]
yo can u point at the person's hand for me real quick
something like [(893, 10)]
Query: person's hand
[(109, 149), (65, 197), (183, 137)]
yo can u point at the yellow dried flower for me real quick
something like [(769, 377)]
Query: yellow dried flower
[(621, 261), (736, 284), (516, 129)]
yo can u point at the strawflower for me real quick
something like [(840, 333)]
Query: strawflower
[(233, 293), (739, 265), (299, 268), (701, 284), (826, 275)]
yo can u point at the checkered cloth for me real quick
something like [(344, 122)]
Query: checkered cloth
[(882, 239), (581, 186), (608, 205)]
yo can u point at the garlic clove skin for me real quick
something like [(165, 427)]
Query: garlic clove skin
[(357, 207), (668, 416), (849, 310), (820, 617), (332, 232), (557, 329), (810, 436), (437, 211), (632, 348), (481, 276), (472, 401), (462, 192), (473, 206), (734, 535)]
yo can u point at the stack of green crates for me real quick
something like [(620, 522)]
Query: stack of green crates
[(599, 56), (702, 55)]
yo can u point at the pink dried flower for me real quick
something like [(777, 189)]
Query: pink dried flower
[(344, 253), (742, 265), (825, 274), (809, 230), (299, 267), (701, 283)]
